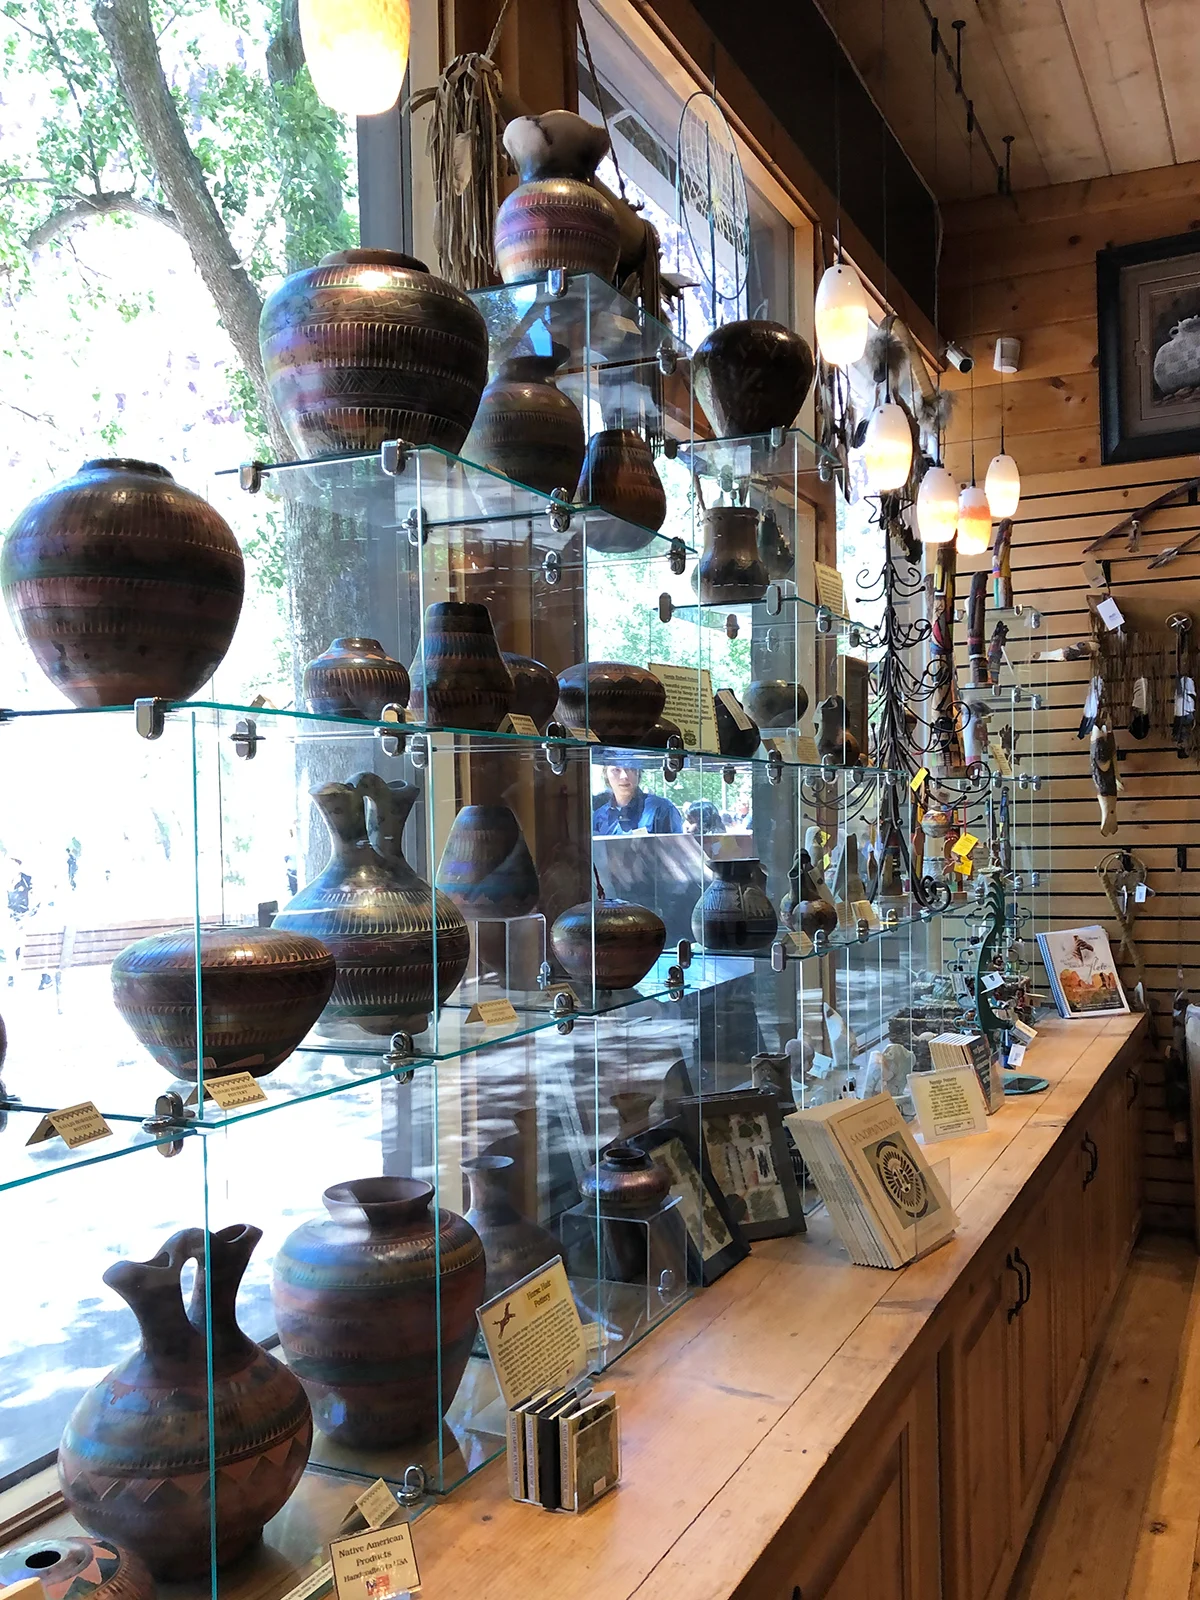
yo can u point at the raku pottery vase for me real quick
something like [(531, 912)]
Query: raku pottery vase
[(368, 345), (124, 584), (732, 739), (774, 546), (75, 1568), (376, 915), (609, 943), (555, 219), (834, 739), (459, 679), (1177, 362), (734, 915), (262, 990), (731, 569), (512, 1245), (627, 1182), (371, 1303), (354, 678), (134, 1459), (619, 702), (619, 476), (776, 703), (527, 428), (751, 376), (486, 868), (535, 689)]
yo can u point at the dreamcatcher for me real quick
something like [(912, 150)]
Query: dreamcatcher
[(714, 208)]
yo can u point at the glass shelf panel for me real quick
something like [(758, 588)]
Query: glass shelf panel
[(793, 608), (764, 459), (22, 1164), (594, 321)]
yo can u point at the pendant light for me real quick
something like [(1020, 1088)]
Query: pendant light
[(974, 522), (888, 448), (1002, 485), (840, 316), (357, 52), (937, 507)]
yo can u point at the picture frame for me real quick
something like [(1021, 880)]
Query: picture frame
[(1147, 300), (746, 1148), (716, 1241)]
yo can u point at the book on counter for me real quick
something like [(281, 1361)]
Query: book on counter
[(971, 1050), (881, 1193), (1082, 972)]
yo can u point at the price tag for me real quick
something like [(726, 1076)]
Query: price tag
[(964, 844), (378, 1565), (74, 1125), (992, 980), (514, 722), (918, 778), (831, 591), (807, 753), (1139, 894), (729, 700), (864, 911), (1094, 573), (584, 735), (378, 1505), (1109, 613), (1024, 1031), (965, 866), (492, 1013), (1016, 1054), (1000, 756)]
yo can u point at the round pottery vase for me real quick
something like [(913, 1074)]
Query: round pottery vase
[(369, 345), (377, 916), (354, 678), (619, 702), (731, 569), (611, 944), (734, 915), (555, 219), (1177, 362), (262, 991), (486, 868), (75, 1568), (737, 743), (125, 585), (535, 689), (620, 477), (134, 1459), (371, 1302), (459, 679), (776, 703), (527, 428), (631, 1184), (752, 376), (512, 1245)]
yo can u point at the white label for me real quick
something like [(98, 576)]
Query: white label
[(831, 591), (1109, 613), (821, 1067), (533, 1334), (378, 1505), (376, 1565), (1094, 573), (689, 704), (866, 912), (74, 1125), (1139, 894), (729, 701), (514, 722), (992, 980), (1016, 1054), (949, 1102), (1024, 1031)]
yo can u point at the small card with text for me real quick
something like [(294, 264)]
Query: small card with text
[(380, 1564), (74, 1125)]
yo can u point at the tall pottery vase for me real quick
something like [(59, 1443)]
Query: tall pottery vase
[(486, 868), (527, 428), (371, 1303), (459, 679), (556, 219), (512, 1244), (134, 1459), (619, 476), (731, 569)]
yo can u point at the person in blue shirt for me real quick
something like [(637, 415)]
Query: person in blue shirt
[(627, 807)]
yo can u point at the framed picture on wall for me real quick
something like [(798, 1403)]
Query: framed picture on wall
[(1148, 311)]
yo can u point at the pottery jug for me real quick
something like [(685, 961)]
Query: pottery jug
[(619, 702), (1177, 362), (527, 428), (374, 1304), (124, 584), (535, 689), (134, 1459), (734, 915), (619, 477), (458, 675), (354, 678), (74, 1568), (262, 991), (733, 740), (776, 703), (369, 345), (834, 739), (556, 219), (486, 868), (611, 944), (512, 1245), (377, 916), (731, 569), (751, 376)]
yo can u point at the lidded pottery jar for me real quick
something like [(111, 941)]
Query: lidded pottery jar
[(512, 1245), (124, 584), (620, 477), (370, 1302), (734, 915), (619, 702), (458, 675), (535, 689), (486, 868), (751, 376), (262, 990), (776, 703), (731, 571), (354, 678), (526, 427), (377, 916), (134, 1459), (611, 944), (75, 1568), (556, 219)]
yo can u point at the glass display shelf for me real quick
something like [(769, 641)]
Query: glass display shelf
[(781, 609), (841, 940), (22, 1164), (769, 459), (589, 317)]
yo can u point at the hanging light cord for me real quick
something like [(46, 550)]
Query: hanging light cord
[(587, 50), (837, 131)]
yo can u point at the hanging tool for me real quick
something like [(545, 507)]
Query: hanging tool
[(1104, 775), (1184, 721), (976, 610), (1002, 597), (1138, 518)]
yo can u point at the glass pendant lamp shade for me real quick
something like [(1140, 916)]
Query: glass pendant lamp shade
[(888, 448), (937, 507), (1002, 485), (840, 316), (974, 522), (357, 52)]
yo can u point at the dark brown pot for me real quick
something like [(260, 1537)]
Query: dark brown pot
[(262, 991), (512, 1245), (134, 1460), (369, 345), (369, 1303), (611, 944), (630, 1183), (377, 916), (75, 1568), (661, 734), (731, 570), (834, 739), (527, 428), (737, 743), (734, 916), (354, 678), (620, 477), (555, 218), (751, 376), (486, 868), (535, 689), (804, 909), (124, 584), (775, 703), (459, 679), (619, 702)]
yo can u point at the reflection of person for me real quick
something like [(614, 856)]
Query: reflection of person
[(627, 808), (702, 816)]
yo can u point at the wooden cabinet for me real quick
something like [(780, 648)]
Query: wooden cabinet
[(1065, 1203), (1031, 1360)]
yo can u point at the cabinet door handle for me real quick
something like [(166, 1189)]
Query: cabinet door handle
[(1011, 1266), (1026, 1276), (1134, 1079), (1093, 1155)]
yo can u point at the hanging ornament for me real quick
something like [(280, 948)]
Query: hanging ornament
[(937, 507), (974, 522), (841, 317), (357, 52), (888, 448), (1002, 485)]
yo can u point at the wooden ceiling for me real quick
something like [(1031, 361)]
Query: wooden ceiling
[(1087, 87)]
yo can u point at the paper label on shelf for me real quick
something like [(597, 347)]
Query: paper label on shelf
[(831, 590), (729, 700), (1000, 756), (583, 735), (964, 865), (1016, 1054), (378, 1505), (514, 722), (1109, 613), (799, 944), (375, 1565), (1024, 1031), (233, 1090), (533, 1334), (493, 1013), (964, 844), (992, 980), (316, 1583), (949, 1102), (807, 753), (961, 987), (1094, 573), (409, 715), (918, 778), (689, 704), (866, 912), (74, 1125)]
